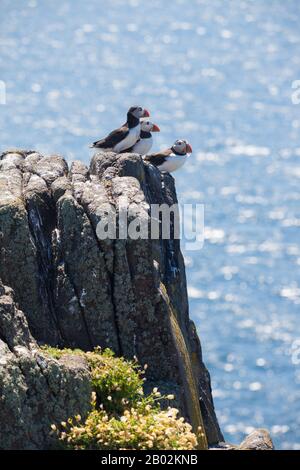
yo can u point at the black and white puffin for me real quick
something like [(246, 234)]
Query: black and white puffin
[(145, 141), (127, 135), (172, 158)]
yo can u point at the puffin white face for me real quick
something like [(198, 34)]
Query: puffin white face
[(138, 112), (182, 147), (148, 126)]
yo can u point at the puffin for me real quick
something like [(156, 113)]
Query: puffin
[(172, 158), (127, 135), (145, 141)]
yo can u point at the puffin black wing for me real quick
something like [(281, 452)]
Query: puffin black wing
[(112, 139), (158, 158)]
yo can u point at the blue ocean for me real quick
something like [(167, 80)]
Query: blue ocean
[(219, 73)]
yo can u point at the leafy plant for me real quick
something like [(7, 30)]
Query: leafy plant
[(122, 416), (149, 428)]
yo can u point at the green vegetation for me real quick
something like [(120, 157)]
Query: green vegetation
[(58, 353), (121, 416)]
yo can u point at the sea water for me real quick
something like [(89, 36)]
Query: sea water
[(219, 73)]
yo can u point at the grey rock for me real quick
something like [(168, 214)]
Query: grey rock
[(259, 439), (35, 390), (76, 290), (60, 186)]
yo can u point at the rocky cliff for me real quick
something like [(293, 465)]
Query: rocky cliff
[(63, 286)]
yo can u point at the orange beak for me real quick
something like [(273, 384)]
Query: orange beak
[(188, 148), (146, 113), (155, 128)]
